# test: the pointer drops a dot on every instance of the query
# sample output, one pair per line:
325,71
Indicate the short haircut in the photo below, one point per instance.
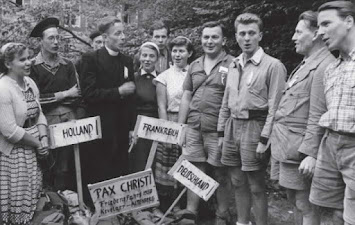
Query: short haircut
183,41
248,18
211,24
107,22
344,8
159,25
311,18
9,53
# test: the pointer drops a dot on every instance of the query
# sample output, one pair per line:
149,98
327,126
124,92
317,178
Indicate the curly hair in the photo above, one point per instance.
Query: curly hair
8,53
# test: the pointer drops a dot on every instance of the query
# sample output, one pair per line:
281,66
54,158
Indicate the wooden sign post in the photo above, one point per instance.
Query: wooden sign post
158,130
73,133
125,194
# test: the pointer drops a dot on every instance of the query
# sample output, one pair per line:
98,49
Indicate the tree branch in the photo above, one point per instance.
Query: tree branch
74,35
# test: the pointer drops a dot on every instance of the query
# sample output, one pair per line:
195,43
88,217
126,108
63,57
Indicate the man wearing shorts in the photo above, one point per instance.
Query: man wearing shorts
254,86
295,135
202,98
333,184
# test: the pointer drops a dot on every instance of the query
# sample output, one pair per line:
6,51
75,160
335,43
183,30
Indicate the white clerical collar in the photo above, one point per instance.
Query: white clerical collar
111,52
143,72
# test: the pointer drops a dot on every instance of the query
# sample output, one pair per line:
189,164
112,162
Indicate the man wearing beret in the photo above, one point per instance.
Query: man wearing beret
56,79
107,86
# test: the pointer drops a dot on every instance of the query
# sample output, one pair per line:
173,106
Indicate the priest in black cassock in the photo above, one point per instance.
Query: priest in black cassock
107,88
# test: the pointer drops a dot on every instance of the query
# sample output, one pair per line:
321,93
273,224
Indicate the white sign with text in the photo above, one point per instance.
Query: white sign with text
194,179
159,130
125,194
74,132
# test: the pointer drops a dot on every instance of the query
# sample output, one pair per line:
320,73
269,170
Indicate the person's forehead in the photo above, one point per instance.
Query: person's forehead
212,30
161,31
147,50
248,27
50,31
302,25
116,27
98,38
329,14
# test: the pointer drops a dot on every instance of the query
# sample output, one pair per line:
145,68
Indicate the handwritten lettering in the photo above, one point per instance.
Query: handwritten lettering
160,130
136,183
77,131
193,178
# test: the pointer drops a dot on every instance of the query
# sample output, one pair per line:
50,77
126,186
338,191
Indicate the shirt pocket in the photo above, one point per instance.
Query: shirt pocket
300,106
349,92
257,99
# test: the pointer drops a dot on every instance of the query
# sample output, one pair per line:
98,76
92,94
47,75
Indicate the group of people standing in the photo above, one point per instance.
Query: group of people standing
240,113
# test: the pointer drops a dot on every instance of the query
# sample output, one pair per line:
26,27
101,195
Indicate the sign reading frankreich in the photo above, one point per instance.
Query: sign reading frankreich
194,179
75,131
159,130
136,191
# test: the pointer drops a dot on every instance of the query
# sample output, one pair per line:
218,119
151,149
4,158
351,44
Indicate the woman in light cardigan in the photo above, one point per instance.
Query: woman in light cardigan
23,137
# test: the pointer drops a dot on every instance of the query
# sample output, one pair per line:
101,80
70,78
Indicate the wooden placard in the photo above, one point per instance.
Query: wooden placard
159,130
194,179
125,194
74,132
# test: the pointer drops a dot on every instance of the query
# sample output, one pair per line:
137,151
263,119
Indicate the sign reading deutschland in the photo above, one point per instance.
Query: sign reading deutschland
159,130
194,179
74,132
125,194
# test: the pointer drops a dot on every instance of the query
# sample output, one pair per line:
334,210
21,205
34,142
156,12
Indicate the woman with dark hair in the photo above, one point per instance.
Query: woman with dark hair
23,137
169,92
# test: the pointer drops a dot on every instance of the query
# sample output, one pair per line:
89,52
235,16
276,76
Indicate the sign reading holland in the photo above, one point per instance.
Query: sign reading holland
159,130
75,131
194,179
124,194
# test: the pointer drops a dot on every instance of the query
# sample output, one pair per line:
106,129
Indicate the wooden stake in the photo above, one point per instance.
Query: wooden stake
172,206
79,184
151,156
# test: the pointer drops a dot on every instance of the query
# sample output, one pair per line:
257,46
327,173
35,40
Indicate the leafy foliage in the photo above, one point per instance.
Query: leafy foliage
185,17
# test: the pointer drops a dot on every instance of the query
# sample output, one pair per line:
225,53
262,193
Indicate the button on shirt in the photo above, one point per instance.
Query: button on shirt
256,84
207,98
339,83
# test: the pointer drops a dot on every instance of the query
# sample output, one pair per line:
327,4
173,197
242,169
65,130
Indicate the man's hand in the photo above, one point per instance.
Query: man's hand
73,92
127,88
220,142
260,151
307,166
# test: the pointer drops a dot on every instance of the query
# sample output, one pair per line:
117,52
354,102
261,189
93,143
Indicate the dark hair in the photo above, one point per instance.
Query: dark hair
183,41
311,18
9,53
211,24
159,25
344,8
107,22
248,18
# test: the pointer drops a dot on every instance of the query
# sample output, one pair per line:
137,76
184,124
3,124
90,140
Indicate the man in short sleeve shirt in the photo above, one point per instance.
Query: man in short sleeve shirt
254,86
203,92
333,184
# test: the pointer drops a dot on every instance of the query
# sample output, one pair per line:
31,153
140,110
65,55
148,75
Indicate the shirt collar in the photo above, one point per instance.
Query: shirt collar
27,84
351,56
39,59
255,59
143,72
184,70
111,52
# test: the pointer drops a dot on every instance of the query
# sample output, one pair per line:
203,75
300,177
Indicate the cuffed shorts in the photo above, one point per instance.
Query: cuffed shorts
202,147
333,184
